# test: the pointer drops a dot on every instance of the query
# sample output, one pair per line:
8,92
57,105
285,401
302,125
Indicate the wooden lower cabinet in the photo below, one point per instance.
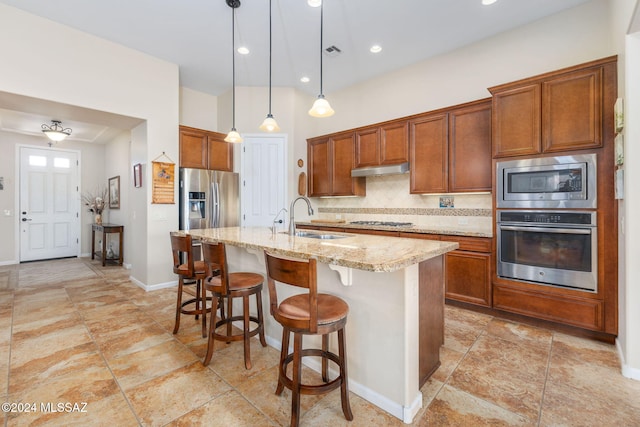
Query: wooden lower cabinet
468,270
468,277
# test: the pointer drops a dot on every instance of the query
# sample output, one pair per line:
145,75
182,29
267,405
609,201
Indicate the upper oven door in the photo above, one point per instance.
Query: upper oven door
547,182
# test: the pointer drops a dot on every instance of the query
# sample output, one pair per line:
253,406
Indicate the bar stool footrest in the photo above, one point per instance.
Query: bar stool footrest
309,388
183,310
237,337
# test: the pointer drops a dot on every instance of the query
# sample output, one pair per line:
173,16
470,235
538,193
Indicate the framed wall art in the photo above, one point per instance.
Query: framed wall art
114,192
137,175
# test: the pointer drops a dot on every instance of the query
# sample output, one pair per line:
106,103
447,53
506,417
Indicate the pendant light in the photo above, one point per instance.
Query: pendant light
233,135
55,131
269,124
321,107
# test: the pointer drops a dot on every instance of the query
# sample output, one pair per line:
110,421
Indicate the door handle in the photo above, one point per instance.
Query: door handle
26,219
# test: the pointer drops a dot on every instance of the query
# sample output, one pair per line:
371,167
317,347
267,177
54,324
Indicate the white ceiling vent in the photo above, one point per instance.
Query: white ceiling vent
332,51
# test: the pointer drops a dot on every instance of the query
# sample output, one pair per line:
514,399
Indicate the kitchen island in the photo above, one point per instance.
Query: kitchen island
395,291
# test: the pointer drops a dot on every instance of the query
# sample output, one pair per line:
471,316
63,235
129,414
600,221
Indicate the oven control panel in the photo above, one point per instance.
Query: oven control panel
546,217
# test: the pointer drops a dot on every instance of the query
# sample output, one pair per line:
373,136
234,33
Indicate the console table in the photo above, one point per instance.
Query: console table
105,229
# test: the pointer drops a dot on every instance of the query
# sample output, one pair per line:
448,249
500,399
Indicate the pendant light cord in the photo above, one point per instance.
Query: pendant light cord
270,37
233,66
321,25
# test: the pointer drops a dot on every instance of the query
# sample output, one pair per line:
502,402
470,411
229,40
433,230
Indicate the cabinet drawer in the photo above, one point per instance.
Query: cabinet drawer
474,244
581,312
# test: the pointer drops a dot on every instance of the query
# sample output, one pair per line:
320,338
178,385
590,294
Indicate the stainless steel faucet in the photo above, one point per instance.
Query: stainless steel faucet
292,223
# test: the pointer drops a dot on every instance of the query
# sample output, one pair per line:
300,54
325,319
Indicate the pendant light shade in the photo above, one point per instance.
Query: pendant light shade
269,124
233,135
321,107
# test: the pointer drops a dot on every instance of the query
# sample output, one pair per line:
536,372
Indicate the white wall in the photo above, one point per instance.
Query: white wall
198,110
630,315
100,75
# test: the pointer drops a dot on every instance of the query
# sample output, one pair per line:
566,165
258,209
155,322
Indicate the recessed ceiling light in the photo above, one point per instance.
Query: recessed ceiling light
304,79
375,48
314,3
243,50
488,2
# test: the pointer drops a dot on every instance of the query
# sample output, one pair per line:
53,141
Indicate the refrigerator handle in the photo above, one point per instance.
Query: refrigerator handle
216,205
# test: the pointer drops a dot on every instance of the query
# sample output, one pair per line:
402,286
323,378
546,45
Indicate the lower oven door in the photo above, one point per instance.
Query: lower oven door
558,256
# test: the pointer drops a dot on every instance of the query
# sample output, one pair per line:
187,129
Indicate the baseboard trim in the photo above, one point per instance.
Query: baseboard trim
149,288
626,370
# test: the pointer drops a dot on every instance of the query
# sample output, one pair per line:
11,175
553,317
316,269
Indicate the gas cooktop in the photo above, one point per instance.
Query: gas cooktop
385,223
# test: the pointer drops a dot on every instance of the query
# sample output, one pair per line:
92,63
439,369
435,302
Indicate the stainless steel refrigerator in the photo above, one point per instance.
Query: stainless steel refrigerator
208,199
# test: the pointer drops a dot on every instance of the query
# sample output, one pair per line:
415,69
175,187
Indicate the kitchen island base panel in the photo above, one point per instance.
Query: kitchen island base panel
385,313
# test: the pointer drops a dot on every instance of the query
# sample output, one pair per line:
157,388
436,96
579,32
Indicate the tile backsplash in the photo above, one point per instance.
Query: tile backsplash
388,199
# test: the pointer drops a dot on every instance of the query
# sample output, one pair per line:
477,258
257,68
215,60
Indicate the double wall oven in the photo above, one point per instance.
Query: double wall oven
547,221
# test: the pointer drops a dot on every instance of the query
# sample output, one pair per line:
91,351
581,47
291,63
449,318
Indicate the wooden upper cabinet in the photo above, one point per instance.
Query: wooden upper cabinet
367,148
470,148
394,143
450,150
555,112
193,148
516,121
319,162
571,111
343,161
386,144
220,153
428,154
203,149
330,160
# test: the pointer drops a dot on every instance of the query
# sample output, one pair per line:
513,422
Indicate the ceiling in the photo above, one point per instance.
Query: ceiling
196,35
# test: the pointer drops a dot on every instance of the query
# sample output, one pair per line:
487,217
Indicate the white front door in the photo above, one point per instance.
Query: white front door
49,204
263,180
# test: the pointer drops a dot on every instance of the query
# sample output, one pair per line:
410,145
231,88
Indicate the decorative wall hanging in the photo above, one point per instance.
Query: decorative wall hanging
114,192
162,182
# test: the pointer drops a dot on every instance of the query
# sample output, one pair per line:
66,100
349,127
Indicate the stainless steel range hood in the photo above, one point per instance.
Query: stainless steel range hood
381,170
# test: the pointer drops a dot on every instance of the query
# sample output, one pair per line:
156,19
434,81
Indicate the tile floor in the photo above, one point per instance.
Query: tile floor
74,331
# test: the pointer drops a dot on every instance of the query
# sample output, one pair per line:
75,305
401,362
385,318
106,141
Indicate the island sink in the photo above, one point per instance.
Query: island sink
318,236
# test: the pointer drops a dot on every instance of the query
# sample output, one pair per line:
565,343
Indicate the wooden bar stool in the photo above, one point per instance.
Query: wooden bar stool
194,273
232,285
309,313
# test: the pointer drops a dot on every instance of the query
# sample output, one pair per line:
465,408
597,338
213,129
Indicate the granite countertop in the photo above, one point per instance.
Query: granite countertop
361,251
424,229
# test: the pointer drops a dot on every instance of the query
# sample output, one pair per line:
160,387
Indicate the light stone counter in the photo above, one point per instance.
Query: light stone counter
395,291
468,231
361,251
